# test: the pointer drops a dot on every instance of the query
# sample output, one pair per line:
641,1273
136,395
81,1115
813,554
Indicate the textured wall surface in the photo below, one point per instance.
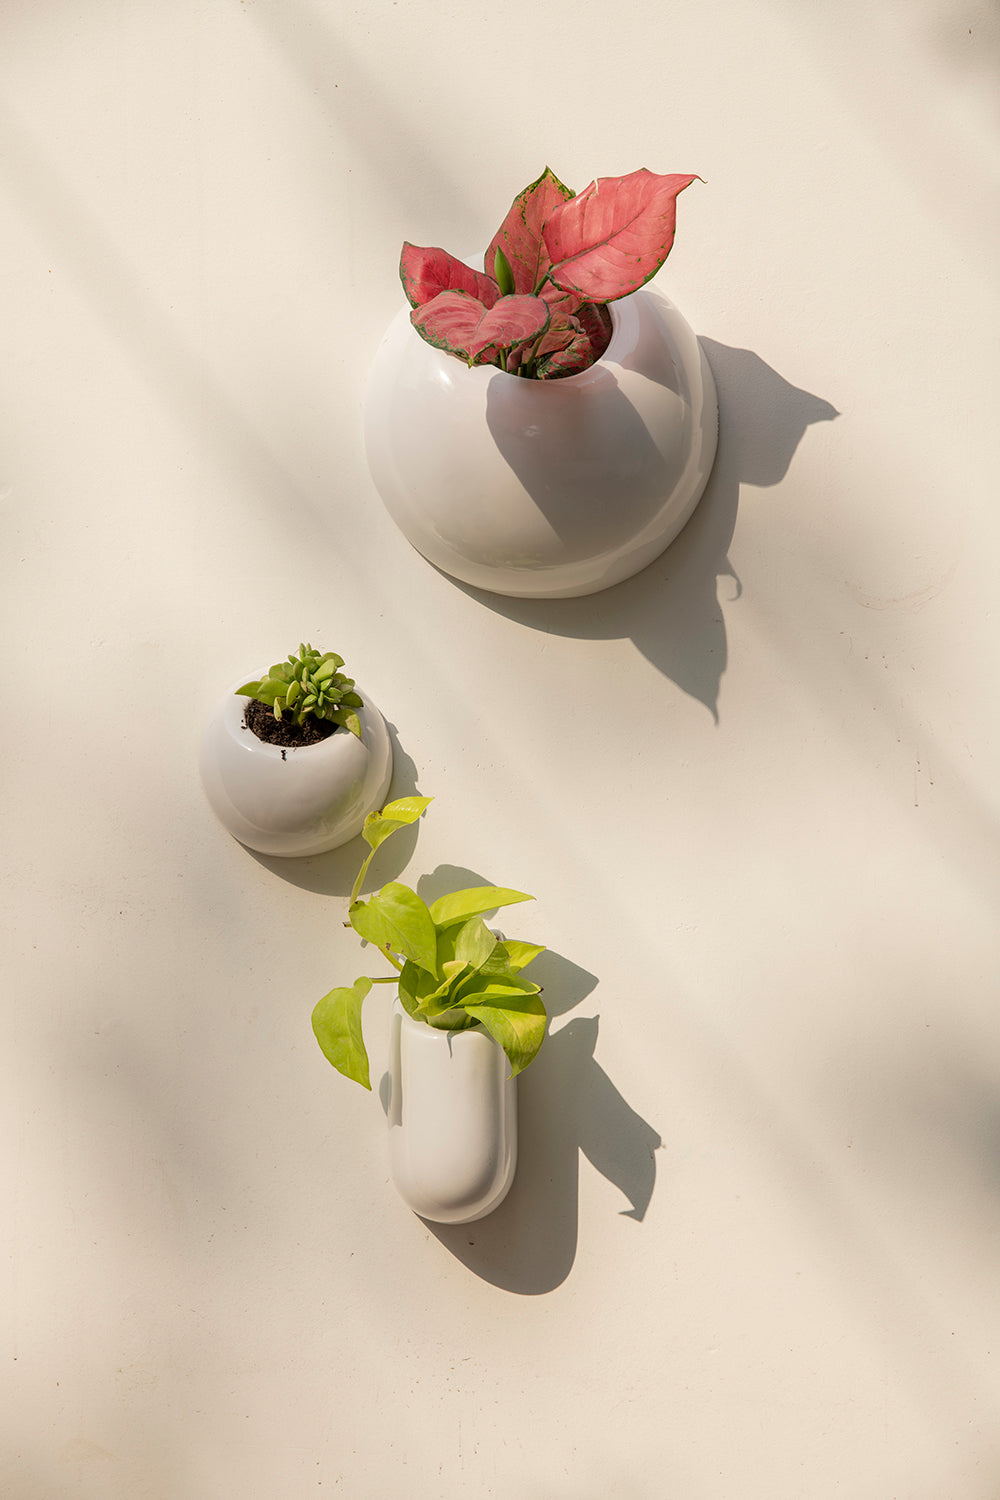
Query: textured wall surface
751,1252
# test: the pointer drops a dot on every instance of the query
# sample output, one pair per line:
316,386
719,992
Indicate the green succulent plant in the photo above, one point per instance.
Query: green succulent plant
309,683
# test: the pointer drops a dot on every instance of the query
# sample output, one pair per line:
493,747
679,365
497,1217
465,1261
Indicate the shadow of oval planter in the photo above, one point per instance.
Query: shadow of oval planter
298,801
545,489
452,1113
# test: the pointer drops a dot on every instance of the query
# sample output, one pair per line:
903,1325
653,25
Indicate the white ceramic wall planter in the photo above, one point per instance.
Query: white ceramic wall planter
452,1120
294,801
545,489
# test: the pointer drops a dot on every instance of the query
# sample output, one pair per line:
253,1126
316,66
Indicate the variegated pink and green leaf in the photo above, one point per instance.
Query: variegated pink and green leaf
575,343
595,320
610,239
576,356
561,332
460,324
520,234
425,271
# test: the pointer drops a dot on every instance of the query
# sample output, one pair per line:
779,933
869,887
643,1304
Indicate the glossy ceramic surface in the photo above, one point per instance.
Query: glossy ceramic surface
294,802
545,489
452,1120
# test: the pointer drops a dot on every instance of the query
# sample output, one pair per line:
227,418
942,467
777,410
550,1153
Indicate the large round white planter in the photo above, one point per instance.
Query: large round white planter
545,489
294,801
452,1120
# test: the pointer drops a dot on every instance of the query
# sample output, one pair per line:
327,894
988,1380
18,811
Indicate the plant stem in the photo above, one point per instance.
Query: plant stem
356,888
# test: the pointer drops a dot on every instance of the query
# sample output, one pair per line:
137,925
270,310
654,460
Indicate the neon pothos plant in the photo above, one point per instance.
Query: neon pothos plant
539,307
452,971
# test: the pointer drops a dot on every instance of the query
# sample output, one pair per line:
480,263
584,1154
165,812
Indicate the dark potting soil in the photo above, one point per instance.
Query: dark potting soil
285,732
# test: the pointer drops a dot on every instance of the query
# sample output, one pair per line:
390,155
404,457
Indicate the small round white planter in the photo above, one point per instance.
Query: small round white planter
545,489
294,801
452,1120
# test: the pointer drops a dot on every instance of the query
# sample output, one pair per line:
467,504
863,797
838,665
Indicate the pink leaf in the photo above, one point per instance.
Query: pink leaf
573,343
460,324
520,234
577,355
616,234
511,321
595,320
425,271
562,330
560,302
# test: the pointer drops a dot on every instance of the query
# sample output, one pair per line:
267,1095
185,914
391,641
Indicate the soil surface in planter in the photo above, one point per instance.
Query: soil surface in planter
285,732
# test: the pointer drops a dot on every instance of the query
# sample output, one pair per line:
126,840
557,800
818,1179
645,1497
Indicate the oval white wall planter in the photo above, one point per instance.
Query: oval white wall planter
452,1120
298,801
545,489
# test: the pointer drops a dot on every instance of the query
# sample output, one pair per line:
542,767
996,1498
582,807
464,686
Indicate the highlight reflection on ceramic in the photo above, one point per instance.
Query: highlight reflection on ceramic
545,489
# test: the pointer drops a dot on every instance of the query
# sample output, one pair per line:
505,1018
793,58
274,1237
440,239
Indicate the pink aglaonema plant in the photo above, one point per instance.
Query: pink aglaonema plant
557,260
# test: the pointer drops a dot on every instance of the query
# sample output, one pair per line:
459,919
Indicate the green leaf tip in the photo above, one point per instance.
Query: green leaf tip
503,274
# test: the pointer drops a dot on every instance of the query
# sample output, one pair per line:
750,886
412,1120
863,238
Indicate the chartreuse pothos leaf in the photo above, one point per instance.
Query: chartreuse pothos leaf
408,987
494,979
474,942
395,815
397,921
458,906
379,826
519,954
336,1021
442,996
515,1021
427,999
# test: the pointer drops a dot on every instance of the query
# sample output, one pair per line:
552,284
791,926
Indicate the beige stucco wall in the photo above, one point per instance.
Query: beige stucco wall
751,1250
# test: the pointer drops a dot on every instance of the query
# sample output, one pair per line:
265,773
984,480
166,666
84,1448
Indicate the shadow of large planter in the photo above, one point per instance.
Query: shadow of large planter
672,610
